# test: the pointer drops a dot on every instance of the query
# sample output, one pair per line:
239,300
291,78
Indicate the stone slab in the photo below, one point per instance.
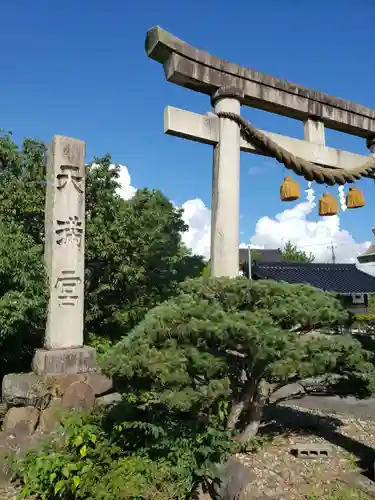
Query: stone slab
198,70
49,362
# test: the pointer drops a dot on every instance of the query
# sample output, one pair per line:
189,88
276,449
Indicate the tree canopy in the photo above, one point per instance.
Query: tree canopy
292,253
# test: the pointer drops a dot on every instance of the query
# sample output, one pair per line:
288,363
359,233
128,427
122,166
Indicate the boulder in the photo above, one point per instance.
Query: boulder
25,389
109,399
78,396
60,383
21,422
231,482
50,417
100,383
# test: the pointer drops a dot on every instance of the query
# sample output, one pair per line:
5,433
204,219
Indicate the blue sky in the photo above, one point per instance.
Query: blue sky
79,68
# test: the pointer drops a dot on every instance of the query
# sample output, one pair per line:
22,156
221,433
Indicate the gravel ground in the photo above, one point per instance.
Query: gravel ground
278,472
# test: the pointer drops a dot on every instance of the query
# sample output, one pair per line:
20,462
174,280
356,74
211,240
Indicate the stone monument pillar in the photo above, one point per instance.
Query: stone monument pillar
64,259
225,218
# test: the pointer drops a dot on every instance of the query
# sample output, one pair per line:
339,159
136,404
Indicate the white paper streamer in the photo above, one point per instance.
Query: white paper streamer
342,198
310,196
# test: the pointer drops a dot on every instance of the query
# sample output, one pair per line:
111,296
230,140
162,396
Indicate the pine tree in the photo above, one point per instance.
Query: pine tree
236,342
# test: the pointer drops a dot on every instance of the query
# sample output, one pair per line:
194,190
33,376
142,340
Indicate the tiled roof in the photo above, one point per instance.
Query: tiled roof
344,279
266,255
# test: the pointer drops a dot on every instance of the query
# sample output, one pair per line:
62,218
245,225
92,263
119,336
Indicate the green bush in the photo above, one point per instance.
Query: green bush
122,453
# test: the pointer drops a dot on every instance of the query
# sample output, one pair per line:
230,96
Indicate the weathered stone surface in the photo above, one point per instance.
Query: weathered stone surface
65,242
65,361
62,382
225,190
50,417
109,399
233,478
100,383
78,396
200,71
205,129
21,422
25,389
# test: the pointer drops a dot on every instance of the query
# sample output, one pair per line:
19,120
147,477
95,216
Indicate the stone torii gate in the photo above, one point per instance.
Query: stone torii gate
231,86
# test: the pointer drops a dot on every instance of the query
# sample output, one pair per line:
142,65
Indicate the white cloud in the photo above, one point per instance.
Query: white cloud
290,225
198,217
312,236
126,190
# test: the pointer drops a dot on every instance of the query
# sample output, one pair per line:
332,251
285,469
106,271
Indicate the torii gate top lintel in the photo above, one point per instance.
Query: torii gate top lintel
198,70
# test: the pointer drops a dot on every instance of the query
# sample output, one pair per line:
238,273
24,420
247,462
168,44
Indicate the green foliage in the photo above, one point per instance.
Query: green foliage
292,253
22,297
120,454
135,258
371,304
255,255
207,270
365,319
134,255
364,323
236,341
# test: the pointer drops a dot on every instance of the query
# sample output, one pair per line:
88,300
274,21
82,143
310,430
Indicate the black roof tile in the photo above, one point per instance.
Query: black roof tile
266,255
344,279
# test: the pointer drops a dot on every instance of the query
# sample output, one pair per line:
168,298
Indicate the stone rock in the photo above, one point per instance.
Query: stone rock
60,383
50,417
65,361
78,396
109,399
21,422
25,389
232,479
18,445
100,383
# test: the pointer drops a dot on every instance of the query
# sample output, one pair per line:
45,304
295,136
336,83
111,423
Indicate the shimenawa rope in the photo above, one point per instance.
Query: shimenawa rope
308,170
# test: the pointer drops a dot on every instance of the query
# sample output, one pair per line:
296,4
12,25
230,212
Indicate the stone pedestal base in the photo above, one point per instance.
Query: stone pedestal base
65,361
63,380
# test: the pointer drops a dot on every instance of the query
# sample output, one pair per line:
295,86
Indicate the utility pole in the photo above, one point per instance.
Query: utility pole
333,253
249,259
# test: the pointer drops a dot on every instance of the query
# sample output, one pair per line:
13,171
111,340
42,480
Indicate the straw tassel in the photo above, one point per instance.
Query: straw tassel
289,190
328,205
355,198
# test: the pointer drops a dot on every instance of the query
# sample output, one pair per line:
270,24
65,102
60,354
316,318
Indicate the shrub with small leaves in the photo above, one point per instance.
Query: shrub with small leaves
123,453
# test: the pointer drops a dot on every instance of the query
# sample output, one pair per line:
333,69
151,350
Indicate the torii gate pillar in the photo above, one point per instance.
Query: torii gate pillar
225,214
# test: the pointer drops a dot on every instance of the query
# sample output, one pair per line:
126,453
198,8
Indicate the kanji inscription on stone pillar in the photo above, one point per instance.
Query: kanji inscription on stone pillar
65,242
